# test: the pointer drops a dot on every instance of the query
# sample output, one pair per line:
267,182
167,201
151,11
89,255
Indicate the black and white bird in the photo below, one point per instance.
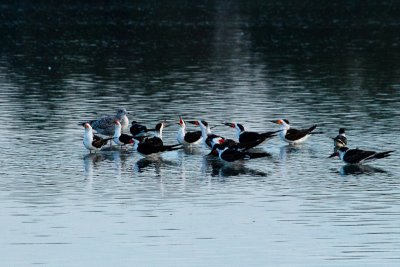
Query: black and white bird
209,138
340,140
188,138
120,138
91,141
105,125
230,154
247,138
156,140
358,156
293,136
138,129
147,148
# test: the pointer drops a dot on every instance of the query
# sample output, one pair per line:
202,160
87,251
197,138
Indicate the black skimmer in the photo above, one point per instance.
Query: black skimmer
293,136
120,138
230,143
358,156
250,139
156,140
208,138
105,125
139,130
340,140
146,148
91,141
230,154
188,138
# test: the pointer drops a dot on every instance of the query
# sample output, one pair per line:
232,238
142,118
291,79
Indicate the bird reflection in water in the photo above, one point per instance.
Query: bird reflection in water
287,150
156,163
190,150
93,161
357,169
223,169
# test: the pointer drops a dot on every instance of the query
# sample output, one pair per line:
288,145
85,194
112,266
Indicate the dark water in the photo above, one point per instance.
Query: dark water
337,65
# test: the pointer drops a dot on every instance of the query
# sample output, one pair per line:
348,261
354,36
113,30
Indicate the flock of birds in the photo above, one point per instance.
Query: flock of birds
148,141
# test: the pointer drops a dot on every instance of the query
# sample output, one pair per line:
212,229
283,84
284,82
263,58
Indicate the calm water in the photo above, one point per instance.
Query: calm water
336,65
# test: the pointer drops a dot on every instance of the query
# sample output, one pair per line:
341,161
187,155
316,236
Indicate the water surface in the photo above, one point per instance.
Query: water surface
249,63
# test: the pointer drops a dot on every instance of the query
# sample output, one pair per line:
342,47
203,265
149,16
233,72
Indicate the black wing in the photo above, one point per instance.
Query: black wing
137,129
295,134
170,147
192,137
154,141
147,148
98,142
249,140
126,139
356,155
249,137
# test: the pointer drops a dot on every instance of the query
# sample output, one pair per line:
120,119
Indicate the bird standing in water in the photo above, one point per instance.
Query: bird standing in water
93,142
293,136
105,125
188,138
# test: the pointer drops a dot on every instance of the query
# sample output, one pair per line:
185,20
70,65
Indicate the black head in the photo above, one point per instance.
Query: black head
341,131
161,124
241,127
204,123
286,121
158,126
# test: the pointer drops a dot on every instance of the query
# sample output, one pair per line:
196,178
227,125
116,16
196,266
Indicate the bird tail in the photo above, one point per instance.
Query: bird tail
105,140
270,134
172,147
249,145
312,128
255,155
382,155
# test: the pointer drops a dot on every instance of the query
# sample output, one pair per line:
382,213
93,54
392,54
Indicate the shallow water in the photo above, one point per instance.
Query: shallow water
249,63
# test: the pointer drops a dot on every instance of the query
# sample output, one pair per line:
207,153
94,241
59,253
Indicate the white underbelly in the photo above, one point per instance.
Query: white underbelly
298,141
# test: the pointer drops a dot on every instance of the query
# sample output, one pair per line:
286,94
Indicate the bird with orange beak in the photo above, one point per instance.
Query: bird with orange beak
293,136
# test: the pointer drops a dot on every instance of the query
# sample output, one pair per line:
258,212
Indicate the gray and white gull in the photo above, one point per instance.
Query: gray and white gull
106,124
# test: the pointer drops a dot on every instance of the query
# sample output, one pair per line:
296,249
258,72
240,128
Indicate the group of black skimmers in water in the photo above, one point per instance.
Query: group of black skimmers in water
148,141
